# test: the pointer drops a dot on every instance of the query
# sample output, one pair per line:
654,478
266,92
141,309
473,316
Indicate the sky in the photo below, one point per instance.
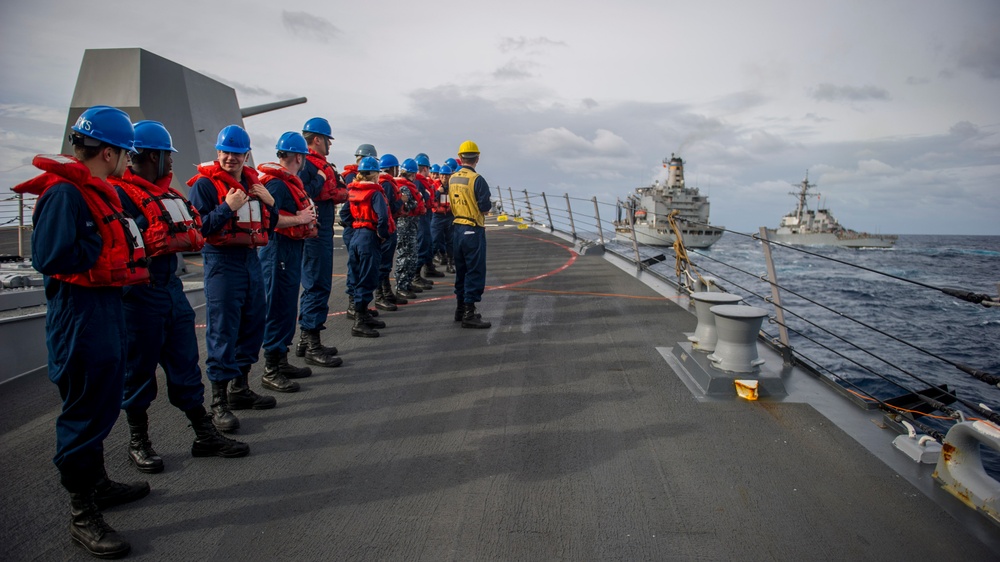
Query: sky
891,106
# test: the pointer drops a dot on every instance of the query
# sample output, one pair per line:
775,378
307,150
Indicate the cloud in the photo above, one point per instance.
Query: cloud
308,26
33,112
532,45
250,90
589,103
571,152
981,55
916,80
514,70
831,92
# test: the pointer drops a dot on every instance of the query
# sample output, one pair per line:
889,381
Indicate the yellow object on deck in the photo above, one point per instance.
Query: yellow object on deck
746,389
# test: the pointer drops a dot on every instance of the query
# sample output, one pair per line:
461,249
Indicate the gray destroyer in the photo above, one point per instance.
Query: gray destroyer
806,227
646,212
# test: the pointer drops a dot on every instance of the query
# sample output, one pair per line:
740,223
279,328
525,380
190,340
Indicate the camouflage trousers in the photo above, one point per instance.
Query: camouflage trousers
407,252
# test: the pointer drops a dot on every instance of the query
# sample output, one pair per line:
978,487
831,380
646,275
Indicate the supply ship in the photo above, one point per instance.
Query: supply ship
806,227
646,212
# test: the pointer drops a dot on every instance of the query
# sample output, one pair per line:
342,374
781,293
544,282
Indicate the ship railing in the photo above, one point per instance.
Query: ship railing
860,359
15,225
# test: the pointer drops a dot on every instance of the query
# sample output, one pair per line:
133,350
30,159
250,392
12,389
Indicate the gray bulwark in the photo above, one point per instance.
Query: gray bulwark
192,106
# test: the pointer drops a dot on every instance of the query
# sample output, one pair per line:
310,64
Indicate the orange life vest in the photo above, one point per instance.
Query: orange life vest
174,224
420,209
333,188
123,257
360,194
271,171
248,225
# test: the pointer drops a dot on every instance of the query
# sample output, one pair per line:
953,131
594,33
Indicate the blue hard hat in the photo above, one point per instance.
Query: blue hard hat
319,126
107,124
422,159
366,150
388,161
233,138
152,135
409,165
292,142
368,164
452,163
446,169
436,169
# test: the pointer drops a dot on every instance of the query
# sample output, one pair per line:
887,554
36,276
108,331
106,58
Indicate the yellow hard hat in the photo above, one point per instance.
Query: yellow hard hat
468,147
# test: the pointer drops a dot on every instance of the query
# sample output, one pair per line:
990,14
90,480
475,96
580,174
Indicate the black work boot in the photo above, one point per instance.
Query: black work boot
470,319
450,267
88,528
291,371
382,300
431,271
425,284
350,310
362,329
459,311
140,450
209,442
108,493
406,293
242,398
274,378
222,418
389,295
317,353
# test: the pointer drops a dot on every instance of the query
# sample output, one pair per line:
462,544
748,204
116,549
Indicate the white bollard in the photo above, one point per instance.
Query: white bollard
704,337
736,328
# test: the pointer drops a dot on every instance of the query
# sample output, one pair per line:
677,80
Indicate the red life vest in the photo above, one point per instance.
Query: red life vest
123,257
440,202
384,177
270,171
174,224
360,194
248,225
428,185
333,188
420,209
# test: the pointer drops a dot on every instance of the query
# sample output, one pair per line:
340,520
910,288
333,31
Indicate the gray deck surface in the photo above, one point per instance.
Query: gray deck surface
558,434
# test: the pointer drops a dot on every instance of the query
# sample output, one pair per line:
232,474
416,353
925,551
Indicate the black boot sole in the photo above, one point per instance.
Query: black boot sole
330,364
154,469
112,555
216,452
276,388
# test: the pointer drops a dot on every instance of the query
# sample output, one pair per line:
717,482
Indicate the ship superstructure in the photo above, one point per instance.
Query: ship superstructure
807,227
646,212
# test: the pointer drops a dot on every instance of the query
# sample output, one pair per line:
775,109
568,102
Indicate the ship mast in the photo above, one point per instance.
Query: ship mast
803,192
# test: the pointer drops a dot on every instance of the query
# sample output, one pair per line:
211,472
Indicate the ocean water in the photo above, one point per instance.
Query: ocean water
927,319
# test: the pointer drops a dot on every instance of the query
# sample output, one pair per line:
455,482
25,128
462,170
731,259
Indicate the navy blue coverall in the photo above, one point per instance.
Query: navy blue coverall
317,255
234,290
84,335
388,247
469,250
365,254
283,268
160,324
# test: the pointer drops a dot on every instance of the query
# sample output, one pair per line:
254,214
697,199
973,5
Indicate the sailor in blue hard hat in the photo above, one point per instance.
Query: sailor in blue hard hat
346,221
327,189
441,223
281,260
425,184
238,216
385,298
370,218
87,252
158,316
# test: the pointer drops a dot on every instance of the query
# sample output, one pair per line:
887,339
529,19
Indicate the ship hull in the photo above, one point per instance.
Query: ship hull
649,236
831,239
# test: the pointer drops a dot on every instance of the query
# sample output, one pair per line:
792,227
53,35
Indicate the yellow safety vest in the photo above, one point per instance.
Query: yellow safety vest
461,191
